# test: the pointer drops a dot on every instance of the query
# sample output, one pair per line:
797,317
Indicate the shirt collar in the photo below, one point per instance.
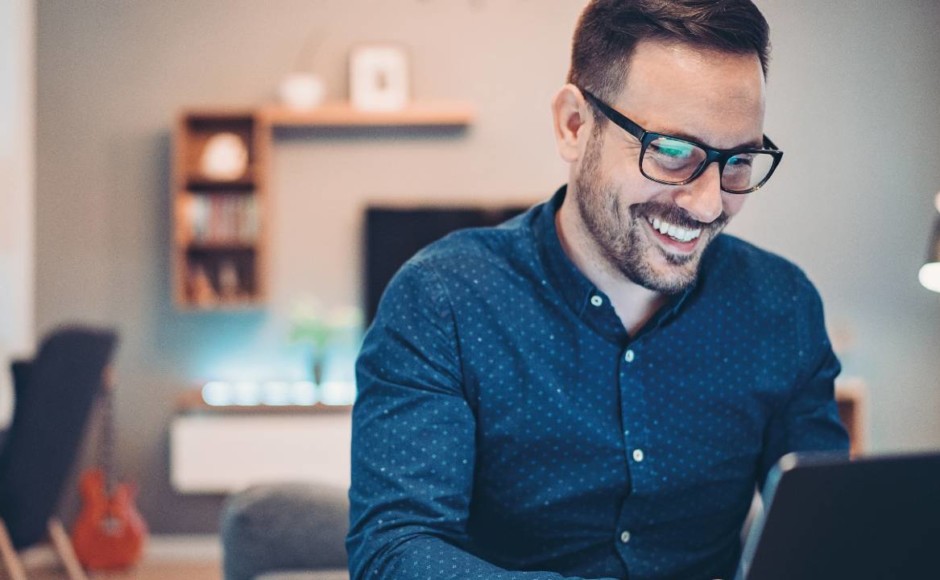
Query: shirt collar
577,290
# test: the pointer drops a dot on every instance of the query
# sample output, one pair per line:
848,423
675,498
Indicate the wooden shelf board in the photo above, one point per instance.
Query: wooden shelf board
194,246
211,114
341,114
243,306
241,185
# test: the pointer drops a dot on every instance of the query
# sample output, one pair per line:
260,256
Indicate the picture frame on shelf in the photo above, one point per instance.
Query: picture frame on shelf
379,77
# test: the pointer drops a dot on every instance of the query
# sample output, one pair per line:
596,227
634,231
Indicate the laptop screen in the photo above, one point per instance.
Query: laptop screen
829,518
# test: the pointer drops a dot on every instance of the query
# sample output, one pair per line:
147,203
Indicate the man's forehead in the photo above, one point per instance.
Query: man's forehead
694,92
680,66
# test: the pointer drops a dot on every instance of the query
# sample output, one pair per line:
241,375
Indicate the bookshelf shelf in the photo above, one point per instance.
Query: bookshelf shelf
196,185
221,246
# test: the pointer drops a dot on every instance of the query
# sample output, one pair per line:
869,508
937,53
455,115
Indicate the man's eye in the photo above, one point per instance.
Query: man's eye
742,161
674,149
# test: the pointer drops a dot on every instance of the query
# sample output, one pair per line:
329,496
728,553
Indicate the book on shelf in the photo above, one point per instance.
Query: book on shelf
222,218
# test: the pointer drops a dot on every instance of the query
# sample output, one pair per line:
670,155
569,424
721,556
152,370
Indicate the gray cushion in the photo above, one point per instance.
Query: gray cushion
285,528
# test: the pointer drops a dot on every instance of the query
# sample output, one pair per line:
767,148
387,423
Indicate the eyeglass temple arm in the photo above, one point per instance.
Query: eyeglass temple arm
615,116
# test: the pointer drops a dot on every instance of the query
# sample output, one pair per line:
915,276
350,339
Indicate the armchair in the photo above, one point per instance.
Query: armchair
54,396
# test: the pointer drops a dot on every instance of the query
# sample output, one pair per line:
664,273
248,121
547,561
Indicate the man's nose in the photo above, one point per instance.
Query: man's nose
702,198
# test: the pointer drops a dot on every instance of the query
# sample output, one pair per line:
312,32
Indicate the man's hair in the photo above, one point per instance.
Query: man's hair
609,31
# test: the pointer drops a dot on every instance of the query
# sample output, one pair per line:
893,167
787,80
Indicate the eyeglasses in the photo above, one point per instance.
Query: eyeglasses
677,161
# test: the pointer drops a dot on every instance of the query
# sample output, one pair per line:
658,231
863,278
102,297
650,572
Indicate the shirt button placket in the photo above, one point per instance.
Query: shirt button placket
638,455
629,356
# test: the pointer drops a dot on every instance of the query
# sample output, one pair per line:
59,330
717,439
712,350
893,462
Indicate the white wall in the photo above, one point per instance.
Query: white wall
17,183
854,100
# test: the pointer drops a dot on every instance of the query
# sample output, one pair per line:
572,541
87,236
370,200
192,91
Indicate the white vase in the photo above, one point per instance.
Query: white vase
301,91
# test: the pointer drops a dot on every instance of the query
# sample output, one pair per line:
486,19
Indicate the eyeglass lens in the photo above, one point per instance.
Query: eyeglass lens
671,160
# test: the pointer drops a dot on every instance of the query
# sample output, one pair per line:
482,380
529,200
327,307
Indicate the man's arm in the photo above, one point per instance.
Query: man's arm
809,421
413,445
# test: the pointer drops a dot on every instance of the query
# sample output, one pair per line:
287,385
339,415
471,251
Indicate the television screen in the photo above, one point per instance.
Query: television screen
394,234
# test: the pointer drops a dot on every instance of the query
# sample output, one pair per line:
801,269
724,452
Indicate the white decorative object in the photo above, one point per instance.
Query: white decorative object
301,91
224,157
378,78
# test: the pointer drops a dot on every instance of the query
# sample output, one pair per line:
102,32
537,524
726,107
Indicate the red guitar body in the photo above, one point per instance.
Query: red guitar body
109,533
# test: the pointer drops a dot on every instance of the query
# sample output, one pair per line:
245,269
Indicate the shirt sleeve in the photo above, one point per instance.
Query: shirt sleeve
413,444
809,420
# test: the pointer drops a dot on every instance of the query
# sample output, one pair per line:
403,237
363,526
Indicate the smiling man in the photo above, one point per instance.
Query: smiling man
639,229
593,389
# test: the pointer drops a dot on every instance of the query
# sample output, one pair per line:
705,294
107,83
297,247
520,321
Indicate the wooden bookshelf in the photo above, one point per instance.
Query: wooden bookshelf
221,226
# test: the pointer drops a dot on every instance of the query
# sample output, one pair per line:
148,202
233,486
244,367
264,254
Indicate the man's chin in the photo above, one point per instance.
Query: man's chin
665,276
671,284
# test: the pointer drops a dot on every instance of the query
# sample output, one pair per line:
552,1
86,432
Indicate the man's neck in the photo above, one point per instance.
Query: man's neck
634,304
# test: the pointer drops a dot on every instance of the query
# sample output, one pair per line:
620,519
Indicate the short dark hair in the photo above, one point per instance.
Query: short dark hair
609,30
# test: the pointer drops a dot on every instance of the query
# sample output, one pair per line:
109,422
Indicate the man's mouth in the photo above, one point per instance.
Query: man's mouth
674,232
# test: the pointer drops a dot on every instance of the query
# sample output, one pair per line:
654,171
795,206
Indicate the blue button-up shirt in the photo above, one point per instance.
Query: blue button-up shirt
507,425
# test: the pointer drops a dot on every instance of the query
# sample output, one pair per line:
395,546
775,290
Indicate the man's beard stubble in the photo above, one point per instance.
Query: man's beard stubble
623,243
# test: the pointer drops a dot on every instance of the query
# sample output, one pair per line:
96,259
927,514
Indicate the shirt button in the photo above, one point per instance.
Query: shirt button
638,455
596,300
629,356
624,537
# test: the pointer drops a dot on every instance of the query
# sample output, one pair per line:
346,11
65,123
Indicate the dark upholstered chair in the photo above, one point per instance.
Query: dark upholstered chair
290,531
54,396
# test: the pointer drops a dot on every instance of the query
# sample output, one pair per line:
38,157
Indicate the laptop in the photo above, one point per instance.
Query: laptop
829,518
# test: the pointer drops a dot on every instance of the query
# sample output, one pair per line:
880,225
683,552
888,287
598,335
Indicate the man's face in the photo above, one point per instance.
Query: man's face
710,97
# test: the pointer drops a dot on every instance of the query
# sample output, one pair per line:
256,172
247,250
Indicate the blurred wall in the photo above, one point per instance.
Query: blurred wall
17,188
854,99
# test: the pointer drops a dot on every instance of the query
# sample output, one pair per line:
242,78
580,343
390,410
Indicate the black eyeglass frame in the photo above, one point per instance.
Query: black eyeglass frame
711,154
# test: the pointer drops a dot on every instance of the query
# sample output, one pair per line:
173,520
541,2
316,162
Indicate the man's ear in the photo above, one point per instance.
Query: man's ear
570,115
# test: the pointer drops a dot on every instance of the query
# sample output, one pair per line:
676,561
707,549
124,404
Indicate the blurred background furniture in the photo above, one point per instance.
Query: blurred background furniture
290,531
225,449
205,243
54,396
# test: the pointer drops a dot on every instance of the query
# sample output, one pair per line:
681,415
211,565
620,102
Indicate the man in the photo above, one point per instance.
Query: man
593,389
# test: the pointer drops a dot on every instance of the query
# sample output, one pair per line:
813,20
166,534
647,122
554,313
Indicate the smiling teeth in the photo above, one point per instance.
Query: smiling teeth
673,231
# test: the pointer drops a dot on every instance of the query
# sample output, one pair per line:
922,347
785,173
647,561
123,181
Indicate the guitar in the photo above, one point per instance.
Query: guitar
109,533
